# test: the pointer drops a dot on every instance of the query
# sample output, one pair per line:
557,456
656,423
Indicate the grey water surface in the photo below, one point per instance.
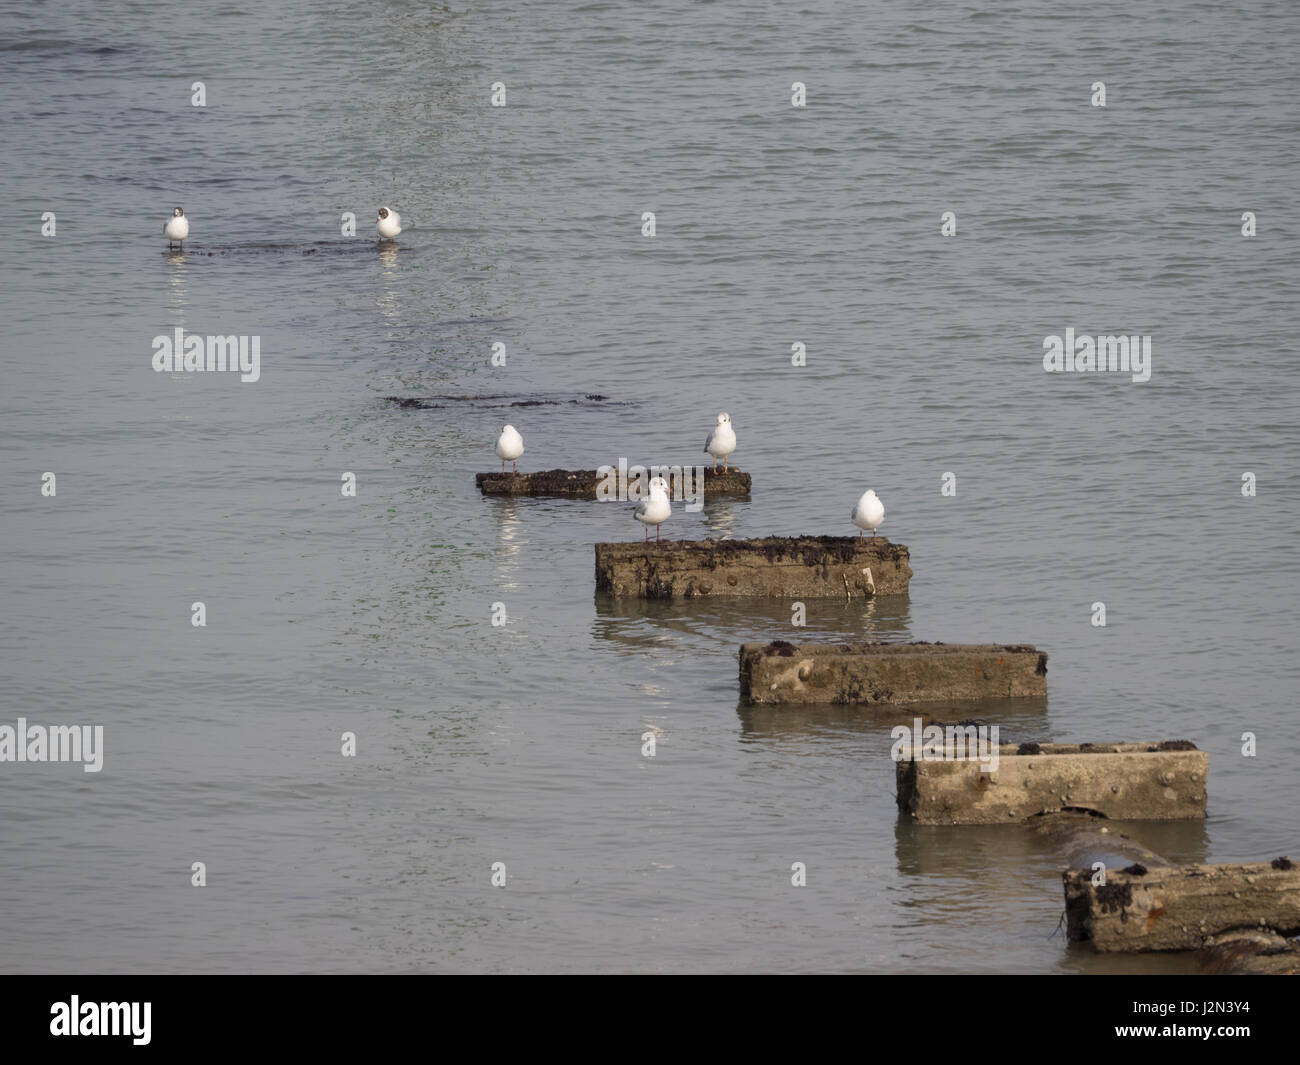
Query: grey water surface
775,225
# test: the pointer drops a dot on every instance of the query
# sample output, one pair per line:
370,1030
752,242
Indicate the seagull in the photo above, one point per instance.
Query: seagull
389,223
869,513
177,228
655,509
510,445
721,442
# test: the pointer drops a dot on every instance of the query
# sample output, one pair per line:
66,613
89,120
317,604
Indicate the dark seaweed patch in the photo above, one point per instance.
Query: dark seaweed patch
497,400
1114,898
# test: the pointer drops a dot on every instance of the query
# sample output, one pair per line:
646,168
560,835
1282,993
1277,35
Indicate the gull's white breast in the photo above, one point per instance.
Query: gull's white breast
721,441
654,511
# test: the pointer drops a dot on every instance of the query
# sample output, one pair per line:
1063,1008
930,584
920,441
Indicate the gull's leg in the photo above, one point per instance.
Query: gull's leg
503,465
515,465
656,533
647,534
859,534
724,462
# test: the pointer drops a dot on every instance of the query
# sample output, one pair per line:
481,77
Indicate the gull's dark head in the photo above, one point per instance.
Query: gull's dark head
177,213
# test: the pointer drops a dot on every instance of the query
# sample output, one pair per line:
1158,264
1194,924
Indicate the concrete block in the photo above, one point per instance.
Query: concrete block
899,673
1185,907
582,484
780,567
1121,781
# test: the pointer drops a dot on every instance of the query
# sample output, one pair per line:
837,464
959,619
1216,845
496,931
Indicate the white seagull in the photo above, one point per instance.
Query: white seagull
177,228
721,441
389,223
655,508
510,445
869,513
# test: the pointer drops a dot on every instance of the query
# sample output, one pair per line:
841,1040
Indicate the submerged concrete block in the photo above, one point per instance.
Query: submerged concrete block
582,484
1258,953
780,567
1083,838
1186,907
1122,781
899,673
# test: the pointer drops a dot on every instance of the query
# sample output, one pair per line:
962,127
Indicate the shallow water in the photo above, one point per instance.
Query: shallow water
522,744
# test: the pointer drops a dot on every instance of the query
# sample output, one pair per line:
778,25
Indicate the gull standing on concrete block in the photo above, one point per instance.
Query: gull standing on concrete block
389,223
177,228
510,445
869,513
721,441
655,509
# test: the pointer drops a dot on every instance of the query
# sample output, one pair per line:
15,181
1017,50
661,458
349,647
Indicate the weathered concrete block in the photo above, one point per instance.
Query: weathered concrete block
780,567
582,484
900,673
1258,953
1122,781
1083,838
1181,907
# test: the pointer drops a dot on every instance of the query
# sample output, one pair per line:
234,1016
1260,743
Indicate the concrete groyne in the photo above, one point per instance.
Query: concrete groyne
687,482
781,567
1122,781
897,673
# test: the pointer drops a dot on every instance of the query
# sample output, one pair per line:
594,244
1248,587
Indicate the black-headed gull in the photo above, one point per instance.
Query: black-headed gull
655,508
721,441
869,513
510,445
177,228
389,223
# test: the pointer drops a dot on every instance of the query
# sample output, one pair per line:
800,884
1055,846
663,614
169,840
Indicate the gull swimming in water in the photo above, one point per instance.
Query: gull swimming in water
389,223
177,228
869,513
655,508
510,445
721,442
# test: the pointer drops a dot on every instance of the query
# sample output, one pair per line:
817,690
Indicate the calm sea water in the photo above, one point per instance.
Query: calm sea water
522,744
